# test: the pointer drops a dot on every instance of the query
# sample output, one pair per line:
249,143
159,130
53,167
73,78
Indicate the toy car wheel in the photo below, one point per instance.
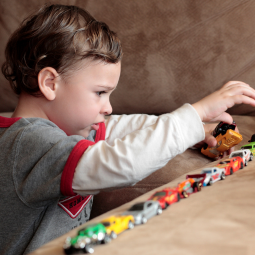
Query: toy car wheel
223,176
178,197
113,235
241,165
107,239
251,157
159,211
69,250
246,163
144,220
166,205
205,146
88,249
231,170
196,187
210,182
184,194
130,225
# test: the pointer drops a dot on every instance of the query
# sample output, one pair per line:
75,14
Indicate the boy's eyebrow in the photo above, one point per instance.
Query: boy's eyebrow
107,87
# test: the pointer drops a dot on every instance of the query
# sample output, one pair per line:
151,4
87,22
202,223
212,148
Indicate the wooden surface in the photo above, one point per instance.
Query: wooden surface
218,220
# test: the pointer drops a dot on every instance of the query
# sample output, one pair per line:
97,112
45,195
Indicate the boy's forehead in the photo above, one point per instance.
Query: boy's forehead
105,75
91,63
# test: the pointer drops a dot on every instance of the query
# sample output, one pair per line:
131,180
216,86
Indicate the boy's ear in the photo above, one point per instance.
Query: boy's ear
47,82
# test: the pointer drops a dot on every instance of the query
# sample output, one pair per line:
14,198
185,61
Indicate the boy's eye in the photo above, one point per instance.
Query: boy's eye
100,93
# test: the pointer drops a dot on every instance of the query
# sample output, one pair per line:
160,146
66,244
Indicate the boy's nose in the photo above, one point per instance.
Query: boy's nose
106,109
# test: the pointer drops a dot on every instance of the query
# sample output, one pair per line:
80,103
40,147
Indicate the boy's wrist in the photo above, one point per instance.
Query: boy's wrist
199,110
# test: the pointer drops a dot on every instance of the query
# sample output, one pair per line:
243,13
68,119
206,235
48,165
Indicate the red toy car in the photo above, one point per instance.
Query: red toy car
231,165
166,197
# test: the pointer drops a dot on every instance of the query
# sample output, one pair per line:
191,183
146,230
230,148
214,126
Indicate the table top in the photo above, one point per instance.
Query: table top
218,220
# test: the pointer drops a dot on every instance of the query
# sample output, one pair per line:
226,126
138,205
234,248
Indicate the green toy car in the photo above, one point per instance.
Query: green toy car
251,145
86,238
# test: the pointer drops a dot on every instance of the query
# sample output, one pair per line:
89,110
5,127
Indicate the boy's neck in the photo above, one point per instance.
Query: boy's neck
29,107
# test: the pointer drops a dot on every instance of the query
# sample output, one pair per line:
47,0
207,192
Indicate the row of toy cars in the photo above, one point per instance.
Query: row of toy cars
237,160
108,229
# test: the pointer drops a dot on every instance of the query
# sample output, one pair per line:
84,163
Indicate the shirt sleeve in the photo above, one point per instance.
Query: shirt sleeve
42,153
135,147
118,126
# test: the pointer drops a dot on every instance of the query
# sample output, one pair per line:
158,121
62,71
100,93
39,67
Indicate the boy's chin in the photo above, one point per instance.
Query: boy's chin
85,132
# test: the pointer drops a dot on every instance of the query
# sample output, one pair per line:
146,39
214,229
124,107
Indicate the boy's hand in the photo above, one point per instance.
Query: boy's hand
211,140
213,107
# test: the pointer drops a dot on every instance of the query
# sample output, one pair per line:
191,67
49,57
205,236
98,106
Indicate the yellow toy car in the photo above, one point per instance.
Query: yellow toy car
116,224
226,138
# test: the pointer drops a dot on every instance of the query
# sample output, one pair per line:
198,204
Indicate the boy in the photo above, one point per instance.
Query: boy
57,150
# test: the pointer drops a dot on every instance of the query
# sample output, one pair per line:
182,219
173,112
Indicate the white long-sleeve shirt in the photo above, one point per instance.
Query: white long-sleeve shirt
135,146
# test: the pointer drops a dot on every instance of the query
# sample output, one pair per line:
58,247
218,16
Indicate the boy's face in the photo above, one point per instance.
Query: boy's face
82,100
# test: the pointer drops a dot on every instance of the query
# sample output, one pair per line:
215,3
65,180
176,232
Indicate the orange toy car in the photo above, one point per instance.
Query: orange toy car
188,187
166,197
226,138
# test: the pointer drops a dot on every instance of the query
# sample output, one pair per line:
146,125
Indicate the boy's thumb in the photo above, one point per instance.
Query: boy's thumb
225,117
210,140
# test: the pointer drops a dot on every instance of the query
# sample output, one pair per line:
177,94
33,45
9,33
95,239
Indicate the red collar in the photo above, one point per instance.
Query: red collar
7,122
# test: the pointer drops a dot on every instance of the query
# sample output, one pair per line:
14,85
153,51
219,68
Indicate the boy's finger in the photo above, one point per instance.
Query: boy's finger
230,150
241,90
230,83
242,99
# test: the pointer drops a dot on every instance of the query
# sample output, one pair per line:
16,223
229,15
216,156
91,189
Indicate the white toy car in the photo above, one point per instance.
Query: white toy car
245,154
213,174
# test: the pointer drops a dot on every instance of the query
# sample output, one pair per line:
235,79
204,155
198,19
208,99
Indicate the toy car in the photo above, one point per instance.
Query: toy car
245,154
231,165
250,146
166,197
86,238
144,211
222,128
199,178
116,224
226,138
213,174
189,186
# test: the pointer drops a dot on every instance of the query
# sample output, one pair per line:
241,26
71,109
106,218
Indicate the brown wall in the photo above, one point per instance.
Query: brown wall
174,51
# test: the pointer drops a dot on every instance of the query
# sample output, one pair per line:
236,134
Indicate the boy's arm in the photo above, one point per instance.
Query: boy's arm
127,160
118,126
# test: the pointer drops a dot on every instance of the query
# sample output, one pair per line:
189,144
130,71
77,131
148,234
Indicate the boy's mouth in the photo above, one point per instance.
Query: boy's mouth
95,126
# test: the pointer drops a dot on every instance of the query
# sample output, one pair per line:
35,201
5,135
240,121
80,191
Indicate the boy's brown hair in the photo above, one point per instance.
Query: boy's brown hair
57,36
